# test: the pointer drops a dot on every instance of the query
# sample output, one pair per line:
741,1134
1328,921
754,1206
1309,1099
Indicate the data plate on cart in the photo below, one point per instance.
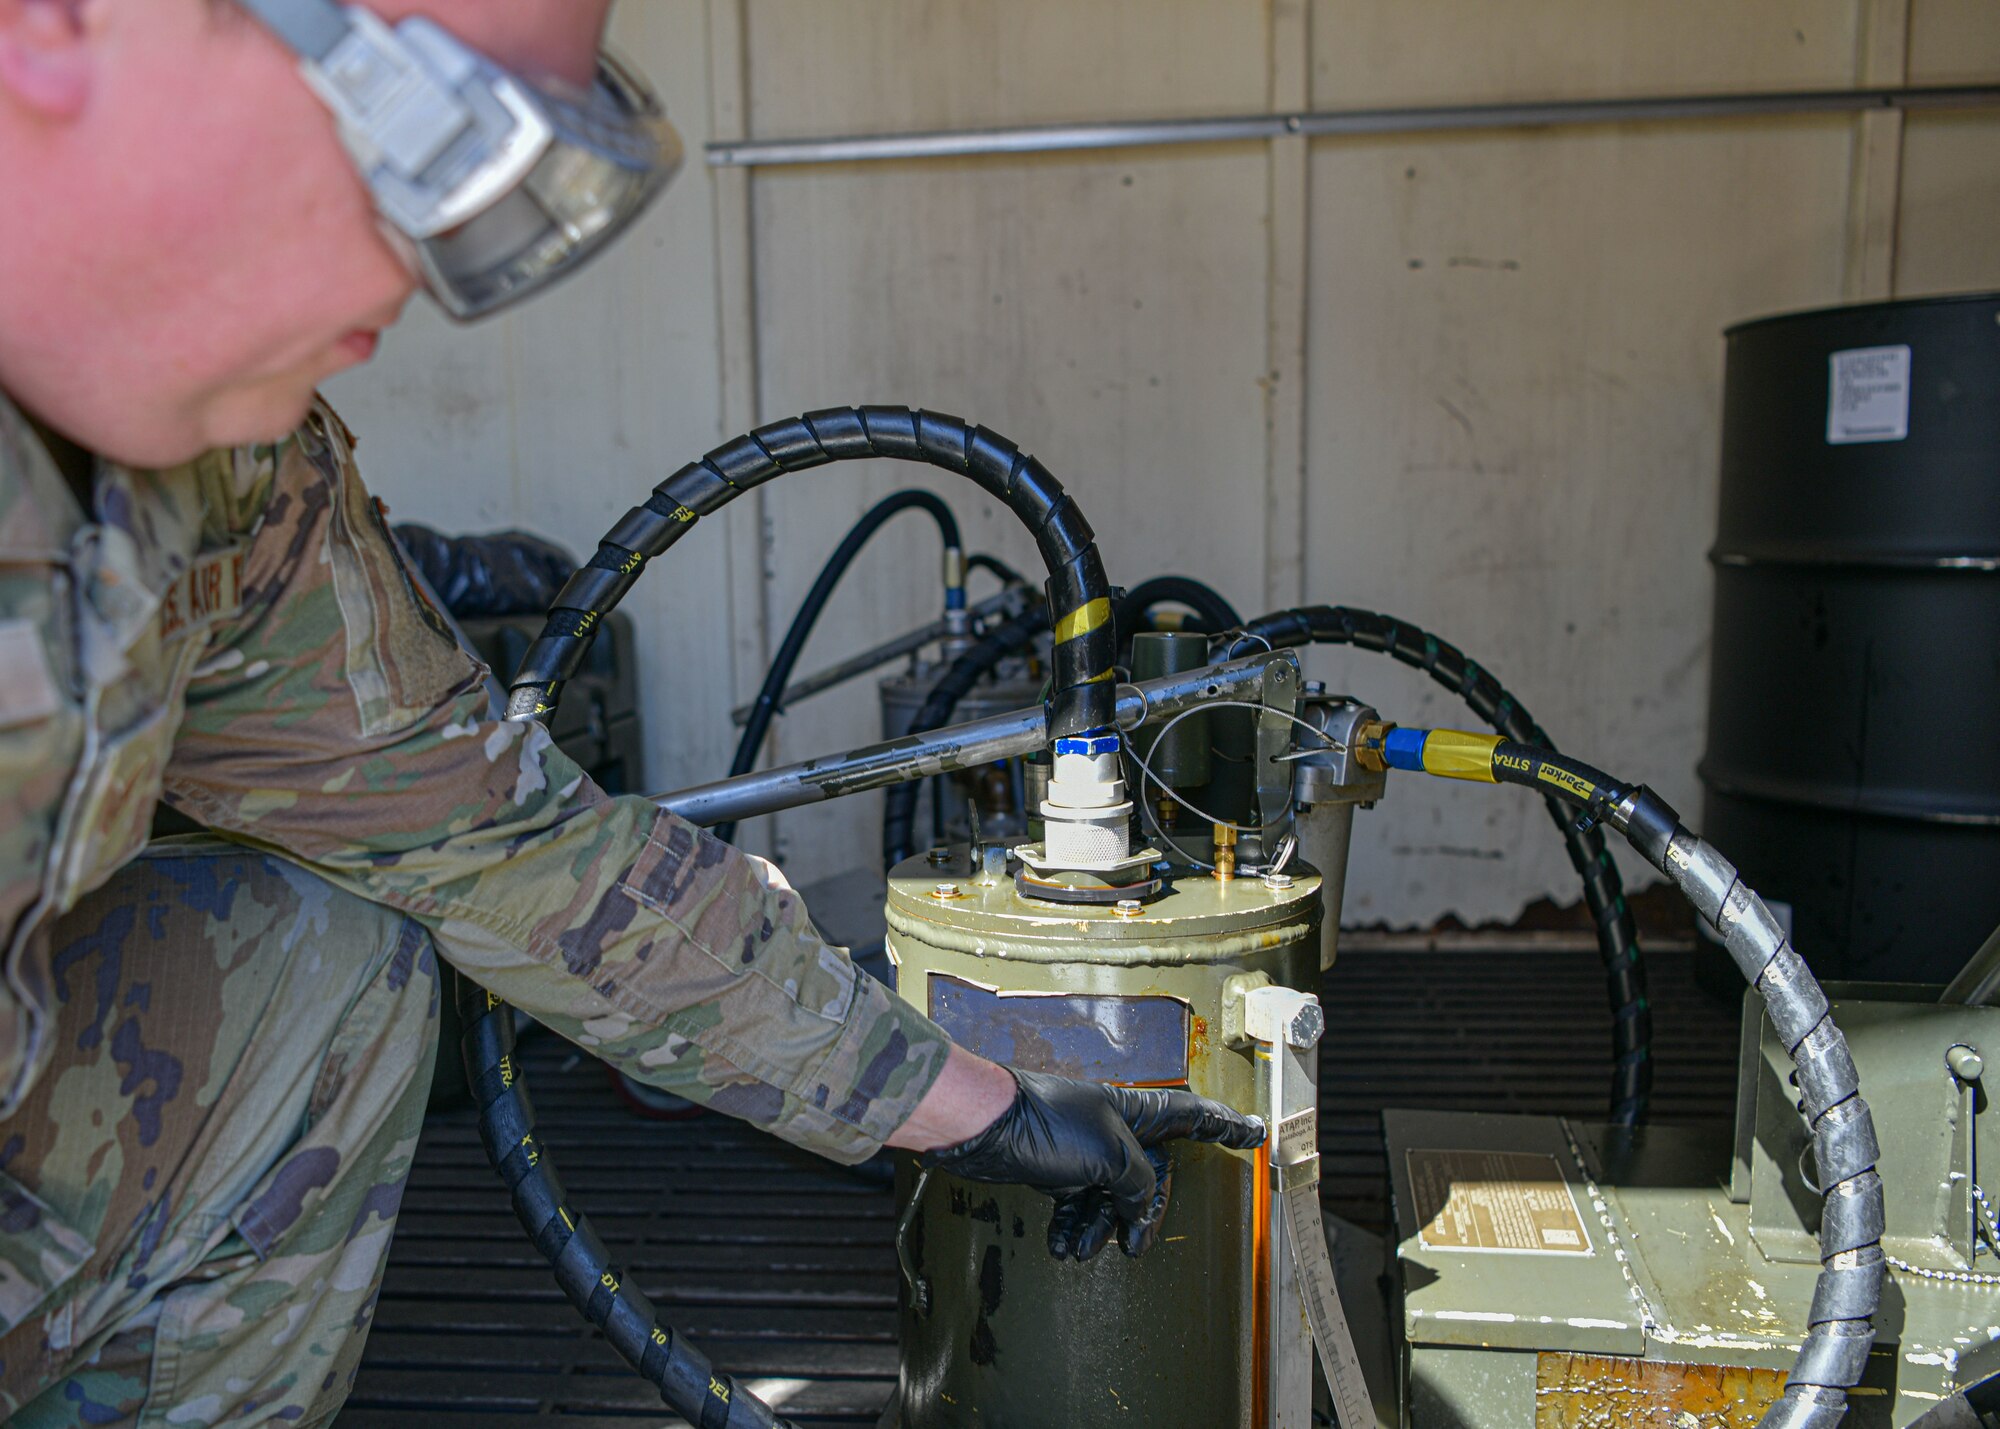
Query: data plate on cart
1511,1202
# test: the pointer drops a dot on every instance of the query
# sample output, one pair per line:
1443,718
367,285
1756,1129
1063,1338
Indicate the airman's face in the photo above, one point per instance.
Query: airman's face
205,253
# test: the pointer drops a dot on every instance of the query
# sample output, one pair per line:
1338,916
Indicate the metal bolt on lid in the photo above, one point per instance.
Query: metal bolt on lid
1277,882
1128,908
947,890
939,857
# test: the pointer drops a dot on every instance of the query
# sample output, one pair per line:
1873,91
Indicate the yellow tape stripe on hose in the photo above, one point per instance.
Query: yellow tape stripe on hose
1457,755
1084,619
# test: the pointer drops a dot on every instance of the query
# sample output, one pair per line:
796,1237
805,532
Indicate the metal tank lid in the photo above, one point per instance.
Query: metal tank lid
1864,437
1884,305
1195,912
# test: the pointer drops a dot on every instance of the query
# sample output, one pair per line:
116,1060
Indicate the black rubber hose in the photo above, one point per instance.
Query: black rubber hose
1009,637
1840,1324
996,567
1082,696
1214,612
1603,890
786,660
604,1293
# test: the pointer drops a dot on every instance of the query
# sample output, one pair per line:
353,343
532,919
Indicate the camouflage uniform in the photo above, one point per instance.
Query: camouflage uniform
219,1152
210,1069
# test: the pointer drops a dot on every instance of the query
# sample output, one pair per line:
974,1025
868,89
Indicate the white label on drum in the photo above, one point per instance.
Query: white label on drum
1868,395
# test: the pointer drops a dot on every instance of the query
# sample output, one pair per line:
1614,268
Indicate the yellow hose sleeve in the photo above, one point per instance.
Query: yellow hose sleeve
1454,754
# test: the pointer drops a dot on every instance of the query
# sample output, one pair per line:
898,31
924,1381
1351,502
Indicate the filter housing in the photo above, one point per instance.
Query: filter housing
995,1331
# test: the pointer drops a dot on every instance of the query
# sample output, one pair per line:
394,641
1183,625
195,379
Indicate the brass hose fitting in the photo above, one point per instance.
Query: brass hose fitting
1225,851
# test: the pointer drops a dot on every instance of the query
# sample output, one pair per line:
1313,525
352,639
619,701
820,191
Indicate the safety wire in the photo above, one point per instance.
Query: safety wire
1285,847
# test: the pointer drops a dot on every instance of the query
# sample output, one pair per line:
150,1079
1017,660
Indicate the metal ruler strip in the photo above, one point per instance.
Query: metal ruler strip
1298,1152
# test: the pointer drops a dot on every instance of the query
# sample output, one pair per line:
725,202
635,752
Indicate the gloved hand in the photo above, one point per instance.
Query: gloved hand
1097,1150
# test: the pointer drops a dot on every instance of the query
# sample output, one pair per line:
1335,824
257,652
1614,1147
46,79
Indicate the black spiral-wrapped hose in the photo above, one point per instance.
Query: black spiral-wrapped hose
782,664
1009,637
1603,890
1212,610
1082,697
603,1292
1083,701
1848,1292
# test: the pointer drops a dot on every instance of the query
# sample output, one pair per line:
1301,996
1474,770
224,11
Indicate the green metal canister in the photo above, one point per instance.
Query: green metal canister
1180,758
995,1331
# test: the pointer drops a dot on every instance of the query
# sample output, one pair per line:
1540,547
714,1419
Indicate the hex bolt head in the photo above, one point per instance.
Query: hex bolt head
1277,882
1307,1026
947,890
1128,908
939,857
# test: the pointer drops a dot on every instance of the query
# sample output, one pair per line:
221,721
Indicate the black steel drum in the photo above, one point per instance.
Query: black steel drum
1853,765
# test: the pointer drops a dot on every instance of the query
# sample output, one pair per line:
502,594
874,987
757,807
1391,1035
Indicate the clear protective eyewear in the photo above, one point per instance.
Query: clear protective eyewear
490,186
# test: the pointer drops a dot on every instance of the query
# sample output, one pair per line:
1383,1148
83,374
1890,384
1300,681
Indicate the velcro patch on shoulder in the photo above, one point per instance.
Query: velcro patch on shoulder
402,659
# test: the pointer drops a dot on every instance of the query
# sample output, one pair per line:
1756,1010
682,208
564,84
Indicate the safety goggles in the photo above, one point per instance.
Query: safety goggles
491,187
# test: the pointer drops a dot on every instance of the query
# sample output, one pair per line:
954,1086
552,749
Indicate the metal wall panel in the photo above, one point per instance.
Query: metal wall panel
1517,361
1106,311
1224,349
845,66
1378,52
1952,41
1948,229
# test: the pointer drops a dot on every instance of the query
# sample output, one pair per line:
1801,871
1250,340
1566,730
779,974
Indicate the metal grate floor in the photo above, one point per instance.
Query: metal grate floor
782,1265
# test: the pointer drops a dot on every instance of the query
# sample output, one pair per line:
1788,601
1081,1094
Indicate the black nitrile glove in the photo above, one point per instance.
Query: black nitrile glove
1097,1150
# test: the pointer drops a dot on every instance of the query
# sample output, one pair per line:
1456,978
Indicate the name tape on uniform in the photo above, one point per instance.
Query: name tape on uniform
211,589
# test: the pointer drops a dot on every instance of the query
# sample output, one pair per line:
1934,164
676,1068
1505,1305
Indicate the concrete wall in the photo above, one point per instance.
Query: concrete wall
1471,379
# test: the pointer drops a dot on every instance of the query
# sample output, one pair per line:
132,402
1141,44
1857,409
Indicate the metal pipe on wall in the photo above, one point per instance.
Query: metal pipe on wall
1320,124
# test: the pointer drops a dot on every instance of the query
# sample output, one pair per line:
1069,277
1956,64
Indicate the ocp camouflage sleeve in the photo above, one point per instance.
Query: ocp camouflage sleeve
337,721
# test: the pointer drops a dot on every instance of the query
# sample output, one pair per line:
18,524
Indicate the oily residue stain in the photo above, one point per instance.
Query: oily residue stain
984,1349
987,1210
1579,1391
